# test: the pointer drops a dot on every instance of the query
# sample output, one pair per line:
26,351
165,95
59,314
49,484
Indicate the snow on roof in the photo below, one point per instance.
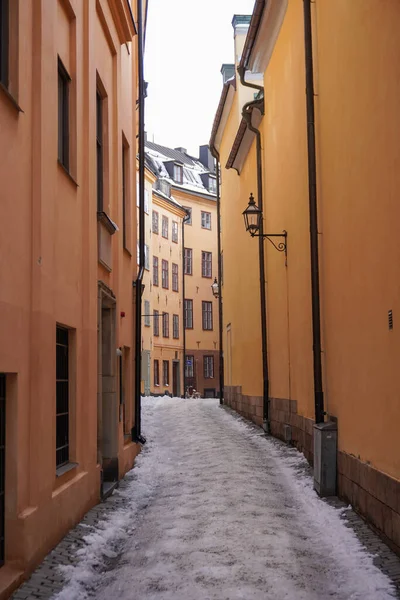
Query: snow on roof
160,156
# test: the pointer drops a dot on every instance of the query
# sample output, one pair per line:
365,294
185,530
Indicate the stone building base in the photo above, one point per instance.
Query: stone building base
374,495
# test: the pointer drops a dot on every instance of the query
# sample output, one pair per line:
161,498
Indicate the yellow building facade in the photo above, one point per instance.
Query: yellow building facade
356,178
183,263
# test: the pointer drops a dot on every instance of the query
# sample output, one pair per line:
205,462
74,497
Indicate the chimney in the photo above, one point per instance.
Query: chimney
241,22
228,71
206,158
180,149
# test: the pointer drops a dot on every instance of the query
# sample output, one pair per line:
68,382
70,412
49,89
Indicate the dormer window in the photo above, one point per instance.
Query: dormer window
178,173
212,185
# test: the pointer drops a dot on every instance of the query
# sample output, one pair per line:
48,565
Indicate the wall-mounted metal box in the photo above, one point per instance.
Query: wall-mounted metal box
325,454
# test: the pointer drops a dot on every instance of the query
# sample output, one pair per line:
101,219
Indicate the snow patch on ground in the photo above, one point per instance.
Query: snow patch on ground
217,511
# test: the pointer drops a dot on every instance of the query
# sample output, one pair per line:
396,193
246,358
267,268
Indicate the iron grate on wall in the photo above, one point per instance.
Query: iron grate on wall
390,319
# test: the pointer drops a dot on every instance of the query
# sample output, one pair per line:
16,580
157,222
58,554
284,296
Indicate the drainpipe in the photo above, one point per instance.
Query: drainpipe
220,312
136,430
183,304
246,113
312,193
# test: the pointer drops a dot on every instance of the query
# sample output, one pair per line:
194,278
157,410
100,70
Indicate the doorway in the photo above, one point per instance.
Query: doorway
108,409
175,379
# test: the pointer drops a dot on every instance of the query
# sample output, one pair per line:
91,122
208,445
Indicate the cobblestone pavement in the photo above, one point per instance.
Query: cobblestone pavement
48,579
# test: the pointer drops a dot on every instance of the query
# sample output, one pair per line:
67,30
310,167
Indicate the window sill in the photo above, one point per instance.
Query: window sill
66,468
156,385
10,98
67,173
103,218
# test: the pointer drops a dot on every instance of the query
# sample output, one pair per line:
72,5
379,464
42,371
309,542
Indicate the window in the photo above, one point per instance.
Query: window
165,372
156,329
208,367
188,261
155,221
62,396
99,151
147,313
164,274
156,372
205,220
126,207
206,264
63,115
4,41
188,218
165,227
155,270
165,325
207,316
188,314
175,278
178,173
189,366
174,235
146,257
212,185
146,201
175,327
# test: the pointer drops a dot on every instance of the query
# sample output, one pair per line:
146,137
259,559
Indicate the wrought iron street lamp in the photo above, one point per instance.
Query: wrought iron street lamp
215,288
252,221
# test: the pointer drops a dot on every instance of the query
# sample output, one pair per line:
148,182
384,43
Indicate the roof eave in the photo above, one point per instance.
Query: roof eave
230,84
265,24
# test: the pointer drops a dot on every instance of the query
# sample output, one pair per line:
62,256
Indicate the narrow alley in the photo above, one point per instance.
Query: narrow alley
214,509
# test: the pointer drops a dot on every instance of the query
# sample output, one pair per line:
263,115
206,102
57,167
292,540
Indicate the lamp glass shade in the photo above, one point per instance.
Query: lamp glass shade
215,288
252,217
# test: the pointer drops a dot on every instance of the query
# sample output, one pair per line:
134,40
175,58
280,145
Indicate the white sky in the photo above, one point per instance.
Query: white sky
186,43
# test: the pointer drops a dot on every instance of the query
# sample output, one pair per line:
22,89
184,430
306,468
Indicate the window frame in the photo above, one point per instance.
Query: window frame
164,274
208,358
175,277
60,332
178,169
99,149
188,310
156,323
206,262
189,374
175,327
207,315
4,43
166,372
155,219
165,325
64,81
174,232
164,230
156,372
206,215
156,272
188,260
147,313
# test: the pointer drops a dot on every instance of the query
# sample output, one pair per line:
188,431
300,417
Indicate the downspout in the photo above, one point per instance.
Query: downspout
136,430
263,300
183,305
312,192
220,311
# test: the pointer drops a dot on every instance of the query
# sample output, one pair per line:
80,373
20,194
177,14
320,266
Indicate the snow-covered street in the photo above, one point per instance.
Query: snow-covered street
217,511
